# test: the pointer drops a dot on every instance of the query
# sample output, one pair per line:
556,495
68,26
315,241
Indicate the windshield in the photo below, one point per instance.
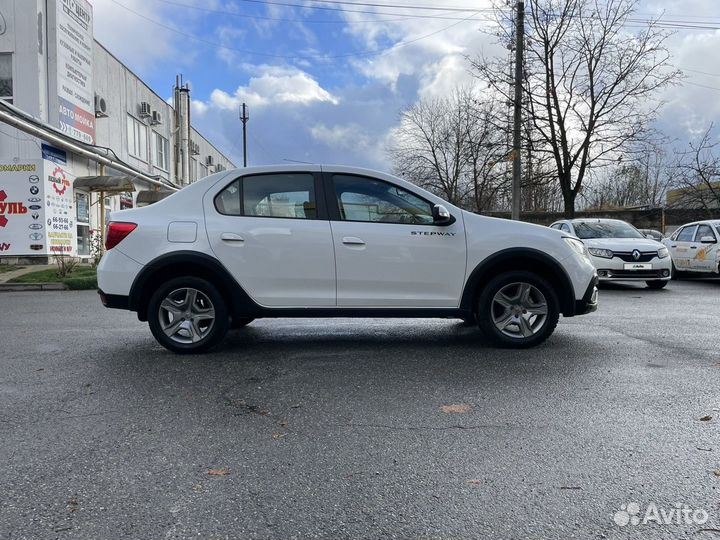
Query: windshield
606,229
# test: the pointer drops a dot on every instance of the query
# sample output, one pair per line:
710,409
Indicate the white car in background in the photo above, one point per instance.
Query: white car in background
694,247
620,252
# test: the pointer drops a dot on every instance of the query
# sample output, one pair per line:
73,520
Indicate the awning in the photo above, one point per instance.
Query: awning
105,184
149,197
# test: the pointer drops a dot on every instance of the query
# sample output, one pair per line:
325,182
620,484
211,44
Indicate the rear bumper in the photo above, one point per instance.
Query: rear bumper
589,301
114,301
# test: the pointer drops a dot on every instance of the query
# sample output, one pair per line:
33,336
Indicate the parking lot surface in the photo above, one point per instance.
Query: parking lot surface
361,428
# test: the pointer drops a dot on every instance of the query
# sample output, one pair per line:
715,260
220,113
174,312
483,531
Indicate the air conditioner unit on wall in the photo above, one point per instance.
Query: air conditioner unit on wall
145,111
100,107
209,161
156,118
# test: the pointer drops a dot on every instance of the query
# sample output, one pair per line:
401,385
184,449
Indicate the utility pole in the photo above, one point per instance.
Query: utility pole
244,117
517,108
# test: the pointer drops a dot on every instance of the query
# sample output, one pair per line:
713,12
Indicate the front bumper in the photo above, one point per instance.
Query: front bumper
589,301
615,269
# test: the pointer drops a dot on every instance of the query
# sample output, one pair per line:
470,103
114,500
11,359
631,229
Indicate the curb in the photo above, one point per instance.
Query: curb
16,287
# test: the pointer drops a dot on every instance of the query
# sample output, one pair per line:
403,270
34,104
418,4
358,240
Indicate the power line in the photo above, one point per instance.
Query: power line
378,52
365,4
404,17
702,85
701,72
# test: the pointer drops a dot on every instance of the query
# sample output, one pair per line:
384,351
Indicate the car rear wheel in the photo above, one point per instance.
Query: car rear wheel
188,315
657,284
518,310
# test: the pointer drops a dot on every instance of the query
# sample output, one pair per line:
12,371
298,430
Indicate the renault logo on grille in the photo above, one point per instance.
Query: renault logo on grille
636,254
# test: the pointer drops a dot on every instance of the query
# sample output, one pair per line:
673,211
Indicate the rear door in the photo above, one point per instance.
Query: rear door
272,233
388,252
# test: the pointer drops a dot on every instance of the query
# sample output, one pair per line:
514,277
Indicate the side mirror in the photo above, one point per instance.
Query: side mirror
707,240
441,216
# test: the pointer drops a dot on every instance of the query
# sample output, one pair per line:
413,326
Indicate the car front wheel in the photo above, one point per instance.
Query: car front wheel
518,310
188,315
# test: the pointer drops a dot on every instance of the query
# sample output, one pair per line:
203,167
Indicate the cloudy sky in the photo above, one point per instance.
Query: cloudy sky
325,81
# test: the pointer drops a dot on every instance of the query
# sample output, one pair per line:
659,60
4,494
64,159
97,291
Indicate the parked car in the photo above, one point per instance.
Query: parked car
653,234
694,247
620,252
312,241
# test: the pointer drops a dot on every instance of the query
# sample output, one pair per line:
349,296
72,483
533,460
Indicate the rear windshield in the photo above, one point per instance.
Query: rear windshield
606,229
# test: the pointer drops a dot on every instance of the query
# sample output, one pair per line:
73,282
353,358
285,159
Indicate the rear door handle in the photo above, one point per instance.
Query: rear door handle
673,245
352,241
231,237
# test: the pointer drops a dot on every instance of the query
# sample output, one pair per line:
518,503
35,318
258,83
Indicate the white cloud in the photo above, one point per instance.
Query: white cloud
272,86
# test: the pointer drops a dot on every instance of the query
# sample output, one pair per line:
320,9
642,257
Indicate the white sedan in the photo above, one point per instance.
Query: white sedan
620,252
694,247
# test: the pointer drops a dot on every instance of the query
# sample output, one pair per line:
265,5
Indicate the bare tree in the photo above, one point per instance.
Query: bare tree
643,180
451,147
589,82
696,175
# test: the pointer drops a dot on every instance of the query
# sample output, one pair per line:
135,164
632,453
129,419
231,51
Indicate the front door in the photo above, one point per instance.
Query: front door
269,232
704,255
681,247
388,252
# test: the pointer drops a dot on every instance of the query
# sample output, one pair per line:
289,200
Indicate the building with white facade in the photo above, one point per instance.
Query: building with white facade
80,132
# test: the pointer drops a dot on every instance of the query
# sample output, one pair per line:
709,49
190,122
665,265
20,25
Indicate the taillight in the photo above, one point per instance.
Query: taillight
117,231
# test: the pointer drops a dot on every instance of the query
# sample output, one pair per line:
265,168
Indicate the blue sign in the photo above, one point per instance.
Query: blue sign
54,154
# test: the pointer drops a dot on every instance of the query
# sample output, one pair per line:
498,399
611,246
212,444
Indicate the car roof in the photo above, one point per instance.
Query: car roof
596,220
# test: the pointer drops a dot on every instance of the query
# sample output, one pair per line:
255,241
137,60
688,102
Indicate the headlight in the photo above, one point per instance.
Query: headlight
577,245
663,252
599,252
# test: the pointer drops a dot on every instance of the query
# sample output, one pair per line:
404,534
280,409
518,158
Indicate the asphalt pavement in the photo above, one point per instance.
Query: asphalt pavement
362,428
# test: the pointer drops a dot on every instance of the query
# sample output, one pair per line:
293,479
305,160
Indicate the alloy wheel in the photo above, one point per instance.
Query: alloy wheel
519,310
186,315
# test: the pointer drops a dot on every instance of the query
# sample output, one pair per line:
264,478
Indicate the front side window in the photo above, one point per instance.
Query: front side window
6,77
687,234
368,199
703,230
565,227
280,195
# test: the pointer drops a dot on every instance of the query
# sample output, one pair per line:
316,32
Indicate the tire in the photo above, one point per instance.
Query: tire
240,322
188,315
496,305
674,273
657,284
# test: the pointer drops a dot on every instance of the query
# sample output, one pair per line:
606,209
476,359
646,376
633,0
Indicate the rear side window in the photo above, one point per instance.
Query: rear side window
565,227
228,200
703,230
686,235
280,195
270,195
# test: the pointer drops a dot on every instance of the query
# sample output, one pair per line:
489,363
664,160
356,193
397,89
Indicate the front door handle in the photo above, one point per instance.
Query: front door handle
231,237
352,241
673,245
